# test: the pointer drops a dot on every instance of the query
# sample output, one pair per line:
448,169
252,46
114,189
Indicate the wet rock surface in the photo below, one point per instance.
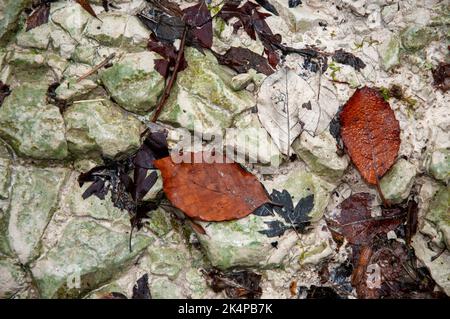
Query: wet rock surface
55,244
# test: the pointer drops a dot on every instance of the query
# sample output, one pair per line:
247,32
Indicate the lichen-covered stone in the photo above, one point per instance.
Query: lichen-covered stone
439,165
33,200
163,288
5,171
72,18
116,29
159,222
101,127
239,243
203,96
396,184
10,11
12,278
87,255
196,284
38,38
31,126
166,261
417,37
71,90
300,18
320,154
439,213
389,52
133,82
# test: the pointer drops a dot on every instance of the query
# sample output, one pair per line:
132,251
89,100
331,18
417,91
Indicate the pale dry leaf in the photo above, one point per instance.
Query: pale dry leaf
278,108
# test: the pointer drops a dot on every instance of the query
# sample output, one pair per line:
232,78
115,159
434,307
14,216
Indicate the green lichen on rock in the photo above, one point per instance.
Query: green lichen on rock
396,184
439,213
72,18
34,197
100,127
203,95
439,165
417,37
12,278
10,11
31,126
320,154
389,52
163,288
239,243
166,261
86,256
159,222
133,82
5,170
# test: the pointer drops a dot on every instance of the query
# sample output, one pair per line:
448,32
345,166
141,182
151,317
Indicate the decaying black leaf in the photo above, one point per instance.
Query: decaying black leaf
237,284
318,292
141,289
294,218
200,28
268,6
441,76
242,60
343,57
294,3
4,92
114,176
164,26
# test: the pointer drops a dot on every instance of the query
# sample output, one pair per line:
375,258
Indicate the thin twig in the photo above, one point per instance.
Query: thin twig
169,86
97,67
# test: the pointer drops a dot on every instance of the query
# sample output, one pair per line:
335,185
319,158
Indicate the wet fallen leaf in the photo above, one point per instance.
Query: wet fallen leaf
371,133
39,16
211,192
242,60
198,18
4,92
141,289
318,292
237,284
87,6
355,219
441,76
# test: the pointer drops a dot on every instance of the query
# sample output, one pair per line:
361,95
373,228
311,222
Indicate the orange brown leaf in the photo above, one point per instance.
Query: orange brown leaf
211,192
371,133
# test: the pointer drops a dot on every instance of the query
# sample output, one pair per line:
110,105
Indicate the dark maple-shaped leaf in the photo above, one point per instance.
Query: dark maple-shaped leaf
353,219
371,133
169,53
242,60
236,284
294,218
87,6
215,191
343,57
268,6
4,92
39,16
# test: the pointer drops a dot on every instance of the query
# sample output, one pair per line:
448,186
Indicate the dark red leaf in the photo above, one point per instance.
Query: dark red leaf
353,219
199,20
39,16
371,133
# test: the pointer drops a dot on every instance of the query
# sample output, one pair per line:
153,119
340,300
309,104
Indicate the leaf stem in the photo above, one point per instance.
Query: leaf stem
169,86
